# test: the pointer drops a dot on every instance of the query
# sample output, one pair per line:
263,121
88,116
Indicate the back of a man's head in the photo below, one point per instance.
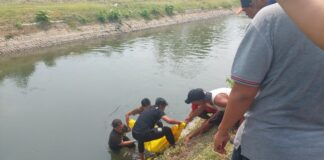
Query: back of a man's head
145,102
161,102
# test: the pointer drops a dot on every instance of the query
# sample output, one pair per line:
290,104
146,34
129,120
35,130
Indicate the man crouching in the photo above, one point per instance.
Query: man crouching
144,130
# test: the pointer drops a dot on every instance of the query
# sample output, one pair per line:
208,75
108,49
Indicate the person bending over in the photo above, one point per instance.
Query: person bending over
144,130
204,103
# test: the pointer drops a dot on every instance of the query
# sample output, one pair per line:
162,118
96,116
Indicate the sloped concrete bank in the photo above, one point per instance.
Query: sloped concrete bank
61,34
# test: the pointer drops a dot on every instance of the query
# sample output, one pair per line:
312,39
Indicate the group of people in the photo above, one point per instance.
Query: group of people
148,126
278,89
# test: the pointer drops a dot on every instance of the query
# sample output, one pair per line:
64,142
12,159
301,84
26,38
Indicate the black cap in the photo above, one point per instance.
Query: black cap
116,122
161,101
195,95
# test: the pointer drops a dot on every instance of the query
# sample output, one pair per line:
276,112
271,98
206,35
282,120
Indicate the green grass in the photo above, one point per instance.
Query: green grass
25,11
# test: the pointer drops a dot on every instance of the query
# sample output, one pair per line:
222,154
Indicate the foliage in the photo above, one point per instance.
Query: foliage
41,17
156,12
169,10
101,16
92,11
226,5
18,25
114,16
145,14
83,20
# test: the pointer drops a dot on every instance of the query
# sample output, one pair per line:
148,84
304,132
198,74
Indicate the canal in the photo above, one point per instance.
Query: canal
58,103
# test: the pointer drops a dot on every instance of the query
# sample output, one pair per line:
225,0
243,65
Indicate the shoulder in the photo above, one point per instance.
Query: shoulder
268,13
151,111
267,18
113,134
114,138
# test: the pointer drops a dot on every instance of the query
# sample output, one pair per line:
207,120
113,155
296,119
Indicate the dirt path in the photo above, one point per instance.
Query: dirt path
62,34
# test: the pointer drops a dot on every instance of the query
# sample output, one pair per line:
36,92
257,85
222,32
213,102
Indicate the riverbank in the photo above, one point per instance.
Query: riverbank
199,148
58,32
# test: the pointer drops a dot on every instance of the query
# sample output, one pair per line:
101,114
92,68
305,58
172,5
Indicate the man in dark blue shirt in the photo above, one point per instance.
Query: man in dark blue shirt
144,130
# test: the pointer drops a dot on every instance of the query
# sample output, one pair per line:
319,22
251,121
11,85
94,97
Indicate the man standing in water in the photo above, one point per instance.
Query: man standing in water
117,138
278,74
144,130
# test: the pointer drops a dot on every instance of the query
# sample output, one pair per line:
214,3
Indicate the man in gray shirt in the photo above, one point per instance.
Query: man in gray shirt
279,85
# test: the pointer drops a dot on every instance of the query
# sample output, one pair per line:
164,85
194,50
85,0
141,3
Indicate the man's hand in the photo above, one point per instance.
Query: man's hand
127,143
188,119
179,123
220,140
127,119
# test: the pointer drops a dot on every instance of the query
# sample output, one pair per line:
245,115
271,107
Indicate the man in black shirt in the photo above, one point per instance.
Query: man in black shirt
117,139
144,130
145,104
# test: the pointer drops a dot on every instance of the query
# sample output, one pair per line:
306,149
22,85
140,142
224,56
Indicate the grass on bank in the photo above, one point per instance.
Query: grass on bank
93,11
199,148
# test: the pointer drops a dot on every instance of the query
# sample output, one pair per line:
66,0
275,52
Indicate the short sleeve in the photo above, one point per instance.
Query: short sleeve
161,114
253,58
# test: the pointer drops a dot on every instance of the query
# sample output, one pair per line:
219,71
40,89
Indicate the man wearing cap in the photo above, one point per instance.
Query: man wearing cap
144,130
204,103
252,7
117,138
145,104
279,80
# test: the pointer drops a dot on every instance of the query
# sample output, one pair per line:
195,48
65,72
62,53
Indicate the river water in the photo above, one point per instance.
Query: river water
58,103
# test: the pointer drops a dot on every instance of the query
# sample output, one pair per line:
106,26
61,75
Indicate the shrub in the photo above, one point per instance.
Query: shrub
101,16
83,20
145,14
42,17
113,16
169,10
18,25
156,12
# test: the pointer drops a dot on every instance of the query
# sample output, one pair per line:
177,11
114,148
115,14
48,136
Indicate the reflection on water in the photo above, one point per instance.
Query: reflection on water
177,43
58,103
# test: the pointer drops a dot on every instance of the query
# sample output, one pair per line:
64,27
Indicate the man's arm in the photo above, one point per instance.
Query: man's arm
239,102
195,113
133,112
170,120
126,143
310,19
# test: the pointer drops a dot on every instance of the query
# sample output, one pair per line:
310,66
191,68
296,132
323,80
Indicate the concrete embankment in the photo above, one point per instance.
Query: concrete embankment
60,34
